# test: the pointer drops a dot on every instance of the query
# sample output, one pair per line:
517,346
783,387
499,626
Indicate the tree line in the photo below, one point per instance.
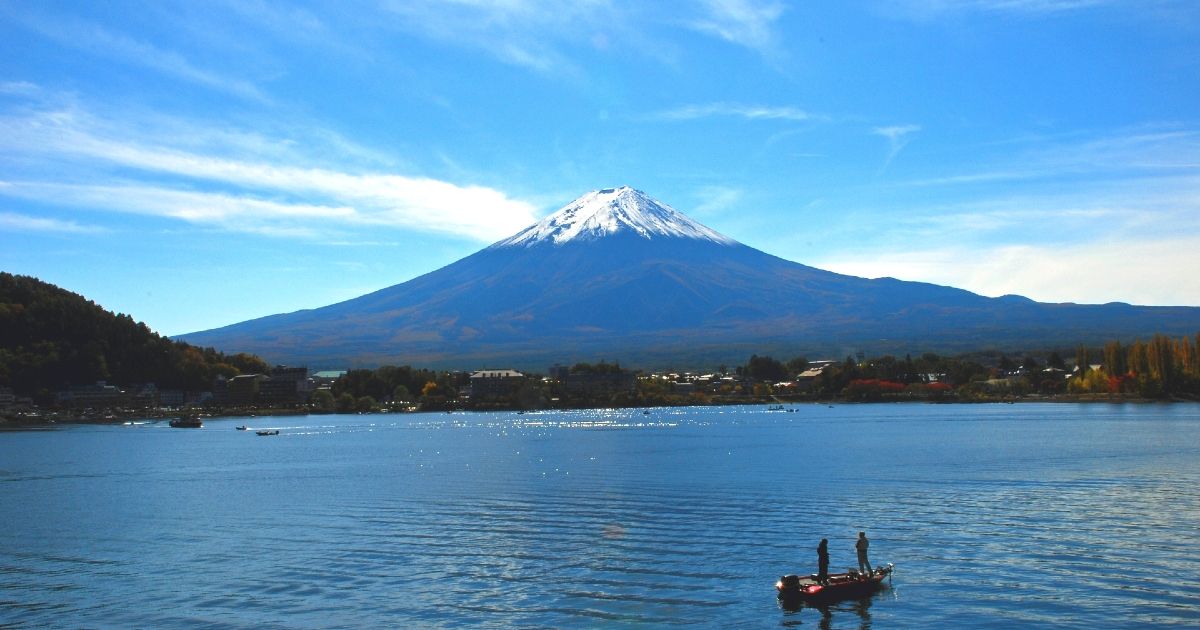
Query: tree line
51,339
1160,367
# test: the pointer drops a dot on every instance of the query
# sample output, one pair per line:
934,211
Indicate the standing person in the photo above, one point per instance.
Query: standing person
823,561
864,565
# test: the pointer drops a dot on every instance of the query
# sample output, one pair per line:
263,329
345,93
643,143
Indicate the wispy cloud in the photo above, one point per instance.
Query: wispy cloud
13,222
1089,218
1123,153
714,200
550,36
928,9
898,136
533,34
278,193
750,112
19,88
102,42
748,23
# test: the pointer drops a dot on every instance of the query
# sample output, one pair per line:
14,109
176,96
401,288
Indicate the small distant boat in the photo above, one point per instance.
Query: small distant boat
267,432
186,423
839,586
775,408
242,428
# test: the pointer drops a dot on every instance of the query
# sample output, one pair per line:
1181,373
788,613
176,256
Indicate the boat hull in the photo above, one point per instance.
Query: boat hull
839,586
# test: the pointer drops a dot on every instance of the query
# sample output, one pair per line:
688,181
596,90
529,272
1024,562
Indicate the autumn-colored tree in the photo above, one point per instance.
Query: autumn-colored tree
1082,359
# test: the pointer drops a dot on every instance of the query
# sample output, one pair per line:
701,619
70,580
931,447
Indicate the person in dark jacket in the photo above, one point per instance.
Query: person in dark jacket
823,561
864,565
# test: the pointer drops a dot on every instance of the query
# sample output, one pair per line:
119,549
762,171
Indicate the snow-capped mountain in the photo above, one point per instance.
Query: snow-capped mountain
616,275
610,211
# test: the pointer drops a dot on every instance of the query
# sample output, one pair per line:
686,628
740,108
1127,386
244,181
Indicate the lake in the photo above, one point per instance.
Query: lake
1050,515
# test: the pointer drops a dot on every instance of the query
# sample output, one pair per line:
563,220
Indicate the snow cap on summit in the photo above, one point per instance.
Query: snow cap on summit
609,211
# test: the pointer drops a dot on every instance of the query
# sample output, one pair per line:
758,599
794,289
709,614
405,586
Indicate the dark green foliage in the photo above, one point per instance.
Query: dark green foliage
1055,361
765,369
596,368
51,339
795,366
385,383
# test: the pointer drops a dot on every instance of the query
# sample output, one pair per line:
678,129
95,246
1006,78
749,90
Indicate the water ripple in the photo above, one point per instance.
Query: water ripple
997,516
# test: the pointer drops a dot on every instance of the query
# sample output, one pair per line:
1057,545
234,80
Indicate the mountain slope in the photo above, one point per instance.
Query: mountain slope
618,275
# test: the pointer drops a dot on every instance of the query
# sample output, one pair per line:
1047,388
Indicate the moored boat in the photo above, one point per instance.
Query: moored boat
190,422
839,585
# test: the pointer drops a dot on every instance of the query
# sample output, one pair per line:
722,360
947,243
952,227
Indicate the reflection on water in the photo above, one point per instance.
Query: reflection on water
793,606
995,516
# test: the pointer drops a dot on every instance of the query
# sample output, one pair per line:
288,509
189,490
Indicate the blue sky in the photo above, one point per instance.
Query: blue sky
196,164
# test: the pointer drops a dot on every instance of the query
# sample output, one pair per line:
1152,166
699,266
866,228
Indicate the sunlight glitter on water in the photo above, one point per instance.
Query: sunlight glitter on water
1045,515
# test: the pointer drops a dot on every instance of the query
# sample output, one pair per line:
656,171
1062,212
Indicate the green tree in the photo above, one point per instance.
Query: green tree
1116,361
1055,361
322,400
797,365
765,369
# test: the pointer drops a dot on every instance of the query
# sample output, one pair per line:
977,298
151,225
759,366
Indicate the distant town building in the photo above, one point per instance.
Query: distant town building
325,378
146,395
285,386
804,380
601,379
242,390
98,395
171,397
488,383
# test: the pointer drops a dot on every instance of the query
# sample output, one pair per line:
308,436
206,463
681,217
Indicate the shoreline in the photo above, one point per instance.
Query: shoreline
49,421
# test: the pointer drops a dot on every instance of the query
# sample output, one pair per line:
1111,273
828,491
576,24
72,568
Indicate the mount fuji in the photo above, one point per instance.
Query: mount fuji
617,275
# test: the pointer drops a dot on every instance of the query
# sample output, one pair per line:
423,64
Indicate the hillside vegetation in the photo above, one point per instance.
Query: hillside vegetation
51,339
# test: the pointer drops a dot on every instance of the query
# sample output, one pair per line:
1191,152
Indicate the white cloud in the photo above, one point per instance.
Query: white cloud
267,194
715,200
897,136
748,23
548,35
13,222
1149,271
751,112
1094,219
20,88
533,34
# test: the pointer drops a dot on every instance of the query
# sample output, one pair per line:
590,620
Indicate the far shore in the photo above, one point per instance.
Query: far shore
50,419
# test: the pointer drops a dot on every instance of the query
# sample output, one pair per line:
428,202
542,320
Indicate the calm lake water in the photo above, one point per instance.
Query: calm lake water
995,516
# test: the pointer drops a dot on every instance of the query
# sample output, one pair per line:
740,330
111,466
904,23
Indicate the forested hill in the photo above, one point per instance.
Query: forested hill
51,338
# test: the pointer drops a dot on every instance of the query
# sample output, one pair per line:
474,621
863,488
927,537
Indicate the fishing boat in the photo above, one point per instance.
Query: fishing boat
839,586
267,432
189,422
